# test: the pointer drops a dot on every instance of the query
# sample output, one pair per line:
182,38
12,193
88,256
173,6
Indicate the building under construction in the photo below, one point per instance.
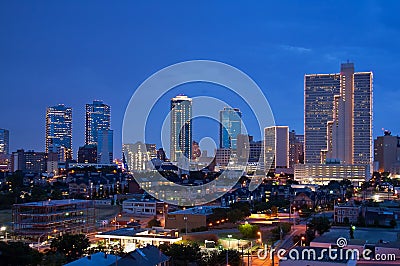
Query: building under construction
38,220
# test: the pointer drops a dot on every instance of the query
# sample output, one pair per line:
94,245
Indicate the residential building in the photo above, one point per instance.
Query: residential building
387,152
230,127
223,156
105,146
181,128
4,141
276,147
29,161
98,118
59,131
39,220
338,116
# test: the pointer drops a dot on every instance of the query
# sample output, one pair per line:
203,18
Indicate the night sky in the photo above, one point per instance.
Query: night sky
73,52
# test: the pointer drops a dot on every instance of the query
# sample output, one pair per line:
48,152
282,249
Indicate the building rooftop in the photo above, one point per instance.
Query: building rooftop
52,203
147,256
202,210
97,259
375,236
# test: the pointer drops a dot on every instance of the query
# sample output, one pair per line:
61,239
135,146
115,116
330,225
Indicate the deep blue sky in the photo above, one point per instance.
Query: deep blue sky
75,51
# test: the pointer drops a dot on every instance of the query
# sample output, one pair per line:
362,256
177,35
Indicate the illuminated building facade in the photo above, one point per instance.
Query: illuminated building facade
321,174
230,127
276,147
4,141
139,155
59,131
181,128
338,116
98,118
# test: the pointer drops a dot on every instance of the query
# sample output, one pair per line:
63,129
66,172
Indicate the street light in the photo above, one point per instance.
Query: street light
185,219
301,240
259,233
229,241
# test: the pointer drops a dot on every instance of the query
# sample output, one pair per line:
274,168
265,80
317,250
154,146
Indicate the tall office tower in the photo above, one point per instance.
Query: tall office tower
139,155
296,148
59,131
4,141
181,128
98,117
105,146
338,116
276,147
230,127
387,153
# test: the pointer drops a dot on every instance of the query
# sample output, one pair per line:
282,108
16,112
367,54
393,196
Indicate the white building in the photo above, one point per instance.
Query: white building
141,207
276,147
321,174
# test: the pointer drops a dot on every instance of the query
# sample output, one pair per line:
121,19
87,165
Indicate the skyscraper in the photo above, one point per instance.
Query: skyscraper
59,131
296,148
4,141
105,146
98,118
181,128
230,127
338,116
276,147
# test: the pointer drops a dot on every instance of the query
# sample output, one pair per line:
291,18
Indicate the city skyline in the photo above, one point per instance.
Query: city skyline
276,53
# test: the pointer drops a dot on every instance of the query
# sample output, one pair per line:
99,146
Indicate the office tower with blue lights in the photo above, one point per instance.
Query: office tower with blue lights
4,141
181,128
59,131
230,127
98,118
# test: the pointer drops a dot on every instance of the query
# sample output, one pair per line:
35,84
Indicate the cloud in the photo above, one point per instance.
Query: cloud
296,49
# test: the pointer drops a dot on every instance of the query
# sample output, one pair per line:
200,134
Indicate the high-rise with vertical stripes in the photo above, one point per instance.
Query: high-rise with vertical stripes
338,116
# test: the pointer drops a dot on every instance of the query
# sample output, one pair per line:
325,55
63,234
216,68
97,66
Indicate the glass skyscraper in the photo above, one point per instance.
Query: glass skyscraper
98,117
105,146
59,131
230,127
181,128
4,141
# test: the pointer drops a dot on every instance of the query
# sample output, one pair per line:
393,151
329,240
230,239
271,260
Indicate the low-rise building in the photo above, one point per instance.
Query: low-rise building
37,220
146,256
132,238
347,213
190,218
142,207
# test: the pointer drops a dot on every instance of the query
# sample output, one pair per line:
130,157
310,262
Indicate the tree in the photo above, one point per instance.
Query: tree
18,253
320,225
248,230
346,220
153,222
182,254
71,246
